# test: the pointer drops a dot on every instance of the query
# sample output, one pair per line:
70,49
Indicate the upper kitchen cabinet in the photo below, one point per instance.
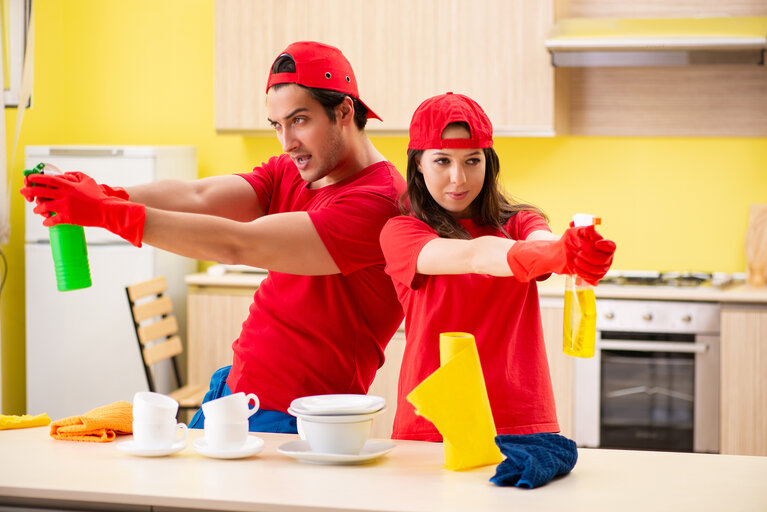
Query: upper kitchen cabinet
693,99
402,52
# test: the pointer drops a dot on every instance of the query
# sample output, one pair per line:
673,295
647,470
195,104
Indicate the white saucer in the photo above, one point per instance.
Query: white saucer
252,446
300,450
337,404
133,448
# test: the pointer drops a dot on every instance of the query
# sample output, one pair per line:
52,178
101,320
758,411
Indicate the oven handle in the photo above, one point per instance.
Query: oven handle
654,346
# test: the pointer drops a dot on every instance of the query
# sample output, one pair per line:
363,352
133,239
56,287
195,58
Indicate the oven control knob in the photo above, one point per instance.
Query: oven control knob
610,315
687,319
647,317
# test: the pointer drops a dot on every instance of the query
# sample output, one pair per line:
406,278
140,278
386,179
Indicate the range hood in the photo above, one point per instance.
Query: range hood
598,42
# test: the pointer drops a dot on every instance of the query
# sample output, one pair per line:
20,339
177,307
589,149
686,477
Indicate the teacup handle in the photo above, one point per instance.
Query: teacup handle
256,404
183,428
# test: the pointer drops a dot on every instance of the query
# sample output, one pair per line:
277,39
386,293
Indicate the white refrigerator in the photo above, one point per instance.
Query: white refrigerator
81,347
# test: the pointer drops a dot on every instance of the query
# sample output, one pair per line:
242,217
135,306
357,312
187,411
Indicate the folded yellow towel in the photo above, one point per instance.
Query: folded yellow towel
23,421
454,398
101,425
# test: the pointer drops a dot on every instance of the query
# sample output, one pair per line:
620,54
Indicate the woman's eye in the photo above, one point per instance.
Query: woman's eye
299,120
473,161
441,161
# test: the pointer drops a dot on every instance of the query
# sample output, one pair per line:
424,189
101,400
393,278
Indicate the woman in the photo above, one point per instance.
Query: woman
465,260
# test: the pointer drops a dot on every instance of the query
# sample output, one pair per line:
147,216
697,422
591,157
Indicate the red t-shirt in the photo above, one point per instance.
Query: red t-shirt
502,313
310,335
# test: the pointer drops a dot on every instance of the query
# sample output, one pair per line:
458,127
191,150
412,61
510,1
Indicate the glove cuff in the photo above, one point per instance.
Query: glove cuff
530,259
126,219
117,192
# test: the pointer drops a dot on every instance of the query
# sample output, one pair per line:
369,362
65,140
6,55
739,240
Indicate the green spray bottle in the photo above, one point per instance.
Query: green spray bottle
70,254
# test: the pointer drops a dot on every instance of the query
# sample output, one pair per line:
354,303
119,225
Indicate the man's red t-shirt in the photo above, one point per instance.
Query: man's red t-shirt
310,335
502,313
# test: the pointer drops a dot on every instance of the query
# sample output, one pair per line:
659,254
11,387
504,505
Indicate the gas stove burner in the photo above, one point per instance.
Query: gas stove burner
653,278
685,278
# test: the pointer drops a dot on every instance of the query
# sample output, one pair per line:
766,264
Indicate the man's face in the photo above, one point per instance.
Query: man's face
307,135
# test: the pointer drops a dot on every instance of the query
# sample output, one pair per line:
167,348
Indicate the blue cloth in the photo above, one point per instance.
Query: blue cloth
261,421
533,460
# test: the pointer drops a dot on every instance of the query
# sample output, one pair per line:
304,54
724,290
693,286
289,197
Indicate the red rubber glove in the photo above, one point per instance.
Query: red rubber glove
119,192
76,198
592,254
528,259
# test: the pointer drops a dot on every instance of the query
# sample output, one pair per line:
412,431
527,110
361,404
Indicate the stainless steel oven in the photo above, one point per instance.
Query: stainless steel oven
653,383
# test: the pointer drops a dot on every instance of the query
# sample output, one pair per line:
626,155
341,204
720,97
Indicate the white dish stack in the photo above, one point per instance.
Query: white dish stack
336,424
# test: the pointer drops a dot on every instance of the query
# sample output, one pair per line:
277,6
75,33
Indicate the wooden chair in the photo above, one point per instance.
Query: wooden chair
157,334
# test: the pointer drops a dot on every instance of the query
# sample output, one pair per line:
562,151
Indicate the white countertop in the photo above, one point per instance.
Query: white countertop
551,288
410,478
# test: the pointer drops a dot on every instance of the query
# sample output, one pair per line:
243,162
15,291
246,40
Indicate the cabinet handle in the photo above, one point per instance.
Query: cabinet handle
687,319
647,317
610,315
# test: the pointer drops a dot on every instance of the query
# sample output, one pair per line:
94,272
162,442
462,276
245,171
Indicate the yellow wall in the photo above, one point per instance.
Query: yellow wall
140,72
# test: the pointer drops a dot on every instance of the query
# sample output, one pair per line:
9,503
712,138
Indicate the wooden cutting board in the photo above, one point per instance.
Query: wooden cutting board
756,245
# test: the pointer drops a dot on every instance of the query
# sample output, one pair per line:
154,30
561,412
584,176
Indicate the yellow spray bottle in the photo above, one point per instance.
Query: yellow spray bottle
580,320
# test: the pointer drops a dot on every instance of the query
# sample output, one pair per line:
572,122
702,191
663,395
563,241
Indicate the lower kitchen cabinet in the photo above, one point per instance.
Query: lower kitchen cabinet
743,423
560,365
214,319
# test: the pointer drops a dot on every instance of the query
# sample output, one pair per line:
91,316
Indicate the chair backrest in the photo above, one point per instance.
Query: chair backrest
155,324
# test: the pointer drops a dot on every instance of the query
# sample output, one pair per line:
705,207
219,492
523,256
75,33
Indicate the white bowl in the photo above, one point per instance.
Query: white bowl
340,438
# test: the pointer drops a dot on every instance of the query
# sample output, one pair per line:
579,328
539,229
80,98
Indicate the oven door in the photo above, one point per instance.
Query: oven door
649,391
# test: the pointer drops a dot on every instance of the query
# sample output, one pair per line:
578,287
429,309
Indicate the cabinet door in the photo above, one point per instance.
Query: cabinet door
402,52
385,385
560,365
214,321
743,420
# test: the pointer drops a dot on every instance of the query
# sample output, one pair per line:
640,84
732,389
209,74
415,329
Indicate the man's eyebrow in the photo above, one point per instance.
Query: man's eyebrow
296,111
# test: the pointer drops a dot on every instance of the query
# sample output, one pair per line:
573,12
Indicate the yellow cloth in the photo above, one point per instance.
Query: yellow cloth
23,421
101,425
454,398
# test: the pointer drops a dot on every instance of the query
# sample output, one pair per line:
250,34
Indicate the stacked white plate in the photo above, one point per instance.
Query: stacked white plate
352,416
337,405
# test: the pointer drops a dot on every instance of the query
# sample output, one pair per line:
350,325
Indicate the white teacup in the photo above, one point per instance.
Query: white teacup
158,435
333,435
226,436
231,408
153,407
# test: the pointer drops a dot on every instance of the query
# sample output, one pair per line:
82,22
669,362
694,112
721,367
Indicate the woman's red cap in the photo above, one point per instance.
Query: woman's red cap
433,115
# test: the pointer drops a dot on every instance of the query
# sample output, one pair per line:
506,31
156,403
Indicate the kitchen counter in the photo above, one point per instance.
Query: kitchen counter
551,288
738,293
38,469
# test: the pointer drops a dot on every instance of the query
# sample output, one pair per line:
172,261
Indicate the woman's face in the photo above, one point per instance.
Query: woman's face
454,177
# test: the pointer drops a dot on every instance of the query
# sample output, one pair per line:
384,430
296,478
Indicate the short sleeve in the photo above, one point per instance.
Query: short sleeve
263,180
402,239
525,222
349,227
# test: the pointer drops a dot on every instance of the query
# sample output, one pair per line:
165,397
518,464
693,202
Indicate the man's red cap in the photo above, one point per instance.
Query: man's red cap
433,115
319,66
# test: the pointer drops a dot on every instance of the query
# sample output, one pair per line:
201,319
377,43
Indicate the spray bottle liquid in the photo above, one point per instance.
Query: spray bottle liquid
70,254
580,320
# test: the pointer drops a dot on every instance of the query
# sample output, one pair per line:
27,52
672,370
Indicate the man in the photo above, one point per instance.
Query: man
321,320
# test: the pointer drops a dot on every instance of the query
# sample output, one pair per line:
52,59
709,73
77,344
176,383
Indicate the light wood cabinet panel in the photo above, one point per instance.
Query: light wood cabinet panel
560,365
402,52
723,100
385,385
744,380
214,322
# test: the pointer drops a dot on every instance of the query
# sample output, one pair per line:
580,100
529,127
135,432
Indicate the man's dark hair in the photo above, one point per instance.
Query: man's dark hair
327,98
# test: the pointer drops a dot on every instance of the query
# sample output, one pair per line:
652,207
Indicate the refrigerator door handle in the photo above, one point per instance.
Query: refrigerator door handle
86,152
